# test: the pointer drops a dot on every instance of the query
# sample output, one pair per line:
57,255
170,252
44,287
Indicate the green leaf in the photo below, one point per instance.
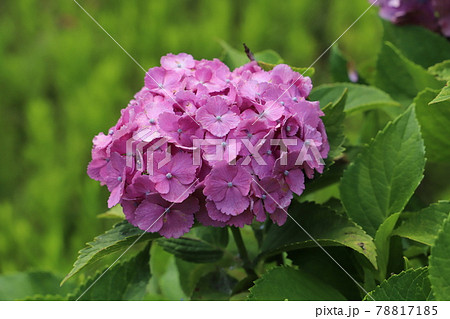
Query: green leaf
269,56
382,242
443,96
267,59
400,77
384,176
418,44
423,226
314,262
19,286
190,274
409,285
334,124
360,97
217,285
338,65
434,121
207,248
215,236
127,280
114,213
441,70
120,237
324,225
286,283
236,58
440,263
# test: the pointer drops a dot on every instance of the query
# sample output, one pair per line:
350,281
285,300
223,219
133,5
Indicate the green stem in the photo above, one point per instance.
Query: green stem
247,264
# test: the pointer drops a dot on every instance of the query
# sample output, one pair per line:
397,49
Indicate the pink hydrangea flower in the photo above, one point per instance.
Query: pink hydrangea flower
199,141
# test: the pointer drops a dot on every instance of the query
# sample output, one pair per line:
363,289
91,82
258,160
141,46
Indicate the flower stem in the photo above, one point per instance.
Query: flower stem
247,264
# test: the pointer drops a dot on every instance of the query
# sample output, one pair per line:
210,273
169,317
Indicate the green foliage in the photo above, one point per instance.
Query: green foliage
129,279
441,70
434,119
440,263
286,283
410,285
338,65
382,242
324,225
334,122
383,178
417,44
443,96
22,285
360,97
374,221
119,238
214,286
407,80
192,250
423,226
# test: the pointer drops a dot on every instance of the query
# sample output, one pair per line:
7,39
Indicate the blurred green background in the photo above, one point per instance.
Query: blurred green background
62,80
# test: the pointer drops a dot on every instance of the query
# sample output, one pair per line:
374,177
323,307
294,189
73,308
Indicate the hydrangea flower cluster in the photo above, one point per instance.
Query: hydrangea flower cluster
431,14
201,142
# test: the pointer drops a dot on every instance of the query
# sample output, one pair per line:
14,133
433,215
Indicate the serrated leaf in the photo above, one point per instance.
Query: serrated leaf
401,78
440,263
423,226
360,97
434,122
22,285
334,124
324,225
120,237
409,285
443,96
418,44
205,245
127,280
286,283
384,176
441,70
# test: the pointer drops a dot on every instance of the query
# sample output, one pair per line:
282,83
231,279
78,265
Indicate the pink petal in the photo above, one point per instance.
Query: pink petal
279,217
216,214
241,220
149,216
233,203
178,192
296,181
177,223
